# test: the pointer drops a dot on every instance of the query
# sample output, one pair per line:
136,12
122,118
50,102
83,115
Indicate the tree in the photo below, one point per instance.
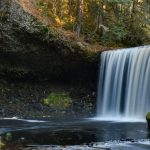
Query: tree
102,21
79,17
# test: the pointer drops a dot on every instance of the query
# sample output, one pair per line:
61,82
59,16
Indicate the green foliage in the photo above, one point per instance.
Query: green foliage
58,100
118,1
115,34
49,32
126,20
135,37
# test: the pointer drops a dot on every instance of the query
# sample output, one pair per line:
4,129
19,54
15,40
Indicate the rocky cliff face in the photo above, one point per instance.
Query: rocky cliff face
29,51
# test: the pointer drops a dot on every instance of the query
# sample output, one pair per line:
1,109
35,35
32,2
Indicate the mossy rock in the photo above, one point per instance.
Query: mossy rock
148,116
2,144
148,119
58,100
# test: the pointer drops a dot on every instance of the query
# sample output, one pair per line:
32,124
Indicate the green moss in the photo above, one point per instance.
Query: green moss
49,33
2,145
58,100
8,136
148,116
2,16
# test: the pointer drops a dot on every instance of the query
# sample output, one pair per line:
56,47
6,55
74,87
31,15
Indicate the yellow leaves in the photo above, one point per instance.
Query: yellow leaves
71,19
58,21
45,3
40,10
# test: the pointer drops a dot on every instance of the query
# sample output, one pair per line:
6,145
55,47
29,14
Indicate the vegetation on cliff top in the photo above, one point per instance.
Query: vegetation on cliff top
97,24
105,22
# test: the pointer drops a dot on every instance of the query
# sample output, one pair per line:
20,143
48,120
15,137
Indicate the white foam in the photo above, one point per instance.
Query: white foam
26,120
118,119
114,145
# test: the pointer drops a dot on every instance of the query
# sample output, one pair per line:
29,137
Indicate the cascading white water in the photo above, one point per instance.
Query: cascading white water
124,83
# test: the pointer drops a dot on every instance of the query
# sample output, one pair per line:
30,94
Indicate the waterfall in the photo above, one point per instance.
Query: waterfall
124,83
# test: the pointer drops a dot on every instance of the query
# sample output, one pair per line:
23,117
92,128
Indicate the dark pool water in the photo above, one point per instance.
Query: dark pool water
78,133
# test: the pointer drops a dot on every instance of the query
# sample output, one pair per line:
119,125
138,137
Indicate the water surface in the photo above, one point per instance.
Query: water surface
78,133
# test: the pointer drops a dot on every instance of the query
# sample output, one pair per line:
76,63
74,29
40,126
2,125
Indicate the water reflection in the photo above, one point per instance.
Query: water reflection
121,131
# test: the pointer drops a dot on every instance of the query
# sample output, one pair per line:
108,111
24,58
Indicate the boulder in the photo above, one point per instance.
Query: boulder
148,119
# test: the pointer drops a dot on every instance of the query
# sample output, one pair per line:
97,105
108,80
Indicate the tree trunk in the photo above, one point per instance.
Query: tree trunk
54,7
134,11
70,3
100,19
79,17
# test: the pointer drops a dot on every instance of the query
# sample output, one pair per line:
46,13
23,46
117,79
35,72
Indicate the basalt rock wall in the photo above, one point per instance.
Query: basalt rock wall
29,51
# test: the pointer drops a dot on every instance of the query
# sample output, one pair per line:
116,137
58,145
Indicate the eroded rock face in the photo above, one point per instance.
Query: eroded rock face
25,53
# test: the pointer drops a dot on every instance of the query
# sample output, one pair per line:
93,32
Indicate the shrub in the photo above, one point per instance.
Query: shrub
115,34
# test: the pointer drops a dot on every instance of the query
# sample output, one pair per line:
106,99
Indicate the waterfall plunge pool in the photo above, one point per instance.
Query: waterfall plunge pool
123,98
76,134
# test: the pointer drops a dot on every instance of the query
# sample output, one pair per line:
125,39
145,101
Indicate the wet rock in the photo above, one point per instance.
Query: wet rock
148,119
25,100
2,112
80,45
